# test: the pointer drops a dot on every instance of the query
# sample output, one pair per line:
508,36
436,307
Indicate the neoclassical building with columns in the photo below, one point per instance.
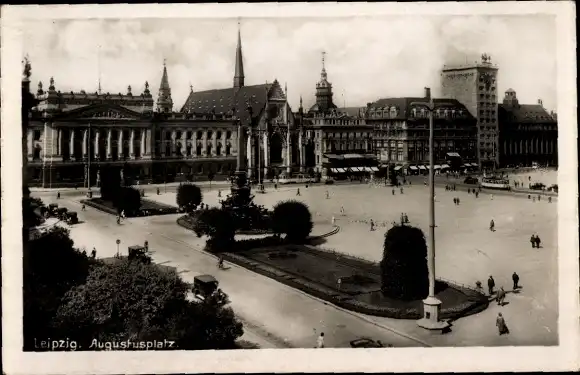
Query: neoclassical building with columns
72,134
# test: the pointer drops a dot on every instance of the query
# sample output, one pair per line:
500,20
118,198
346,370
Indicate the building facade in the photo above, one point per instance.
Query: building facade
400,128
527,133
475,86
335,141
72,135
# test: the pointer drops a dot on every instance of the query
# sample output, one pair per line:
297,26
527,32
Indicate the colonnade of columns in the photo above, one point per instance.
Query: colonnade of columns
258,151
208,145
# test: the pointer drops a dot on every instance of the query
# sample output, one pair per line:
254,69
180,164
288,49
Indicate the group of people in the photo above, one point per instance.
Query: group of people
474,191
456,201
450,187
404,218
93,253
535,241
500,299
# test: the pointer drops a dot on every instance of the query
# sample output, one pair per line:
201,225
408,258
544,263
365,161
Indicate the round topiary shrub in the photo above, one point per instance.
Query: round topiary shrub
404,270
188,197
219,226
292,218
128,199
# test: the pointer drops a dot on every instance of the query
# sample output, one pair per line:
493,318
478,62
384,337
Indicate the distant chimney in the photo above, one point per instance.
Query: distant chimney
427,93
540,101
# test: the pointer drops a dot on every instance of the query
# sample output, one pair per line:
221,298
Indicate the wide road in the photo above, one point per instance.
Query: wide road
274,314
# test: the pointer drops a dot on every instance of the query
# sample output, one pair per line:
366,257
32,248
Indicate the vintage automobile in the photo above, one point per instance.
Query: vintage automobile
138,252
204,286
61,213
52,209
364,342
537,186
72,217
470,180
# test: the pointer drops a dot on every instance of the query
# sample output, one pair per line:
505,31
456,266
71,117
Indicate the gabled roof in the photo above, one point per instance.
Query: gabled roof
525,113
404,104
223,100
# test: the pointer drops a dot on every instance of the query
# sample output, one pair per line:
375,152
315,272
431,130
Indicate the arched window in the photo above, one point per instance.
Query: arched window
228,150
209,145
199,134
219,135
228,134
198,149
218,149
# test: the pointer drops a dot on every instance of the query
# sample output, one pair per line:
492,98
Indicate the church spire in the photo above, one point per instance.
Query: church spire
239,72
164,101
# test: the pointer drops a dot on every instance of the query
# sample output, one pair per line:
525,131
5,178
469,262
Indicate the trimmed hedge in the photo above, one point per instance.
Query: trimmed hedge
148,208
187,221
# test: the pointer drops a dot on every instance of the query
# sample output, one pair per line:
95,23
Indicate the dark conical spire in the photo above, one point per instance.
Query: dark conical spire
239,73
164,101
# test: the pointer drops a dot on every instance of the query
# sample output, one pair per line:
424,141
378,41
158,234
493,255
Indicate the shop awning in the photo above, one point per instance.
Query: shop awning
474,165
445,166
334,170
437,167
374,169
398,167
467,165
354,169
428,166
422,167
453,154
341,170
412,167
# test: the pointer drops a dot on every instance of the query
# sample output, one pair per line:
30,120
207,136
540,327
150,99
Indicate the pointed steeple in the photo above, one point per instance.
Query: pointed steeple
164,101
239,72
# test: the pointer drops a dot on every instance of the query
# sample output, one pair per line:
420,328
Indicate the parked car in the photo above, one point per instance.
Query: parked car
364,342
537,186
553,188
204,286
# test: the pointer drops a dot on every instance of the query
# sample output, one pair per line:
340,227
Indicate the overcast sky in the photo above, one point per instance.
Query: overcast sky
366,58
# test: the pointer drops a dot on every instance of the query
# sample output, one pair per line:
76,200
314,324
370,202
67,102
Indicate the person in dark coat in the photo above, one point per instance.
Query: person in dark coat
538,241
501,325
500,296
490,285
516,280
476,194
58,195
533,241
492,226
94,253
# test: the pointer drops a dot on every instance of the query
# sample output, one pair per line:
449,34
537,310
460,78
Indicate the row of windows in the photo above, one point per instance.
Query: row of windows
484,87
487,96
438,113
199,134
487,112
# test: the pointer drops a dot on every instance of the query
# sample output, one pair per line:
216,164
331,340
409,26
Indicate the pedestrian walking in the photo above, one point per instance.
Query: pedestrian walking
401,190
372,225
158,191
406,218
84,252
393,191
500,296
458,201
58,195
146,245
533,241
501,325
549,199
298,192
94,253
342,210
320,341
327,195
276,186
476,194
455,201
83,207
490,285
516,280
492,225
538,241
539,197
219,193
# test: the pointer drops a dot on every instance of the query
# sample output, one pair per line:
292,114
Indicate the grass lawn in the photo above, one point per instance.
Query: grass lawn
360,279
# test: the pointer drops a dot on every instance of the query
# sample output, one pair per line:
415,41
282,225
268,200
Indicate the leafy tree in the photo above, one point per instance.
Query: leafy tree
189,196
128,199
218,225
52,266
125,300
404,266
292,218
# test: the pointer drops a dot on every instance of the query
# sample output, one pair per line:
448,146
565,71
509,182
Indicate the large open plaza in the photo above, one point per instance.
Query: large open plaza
467,251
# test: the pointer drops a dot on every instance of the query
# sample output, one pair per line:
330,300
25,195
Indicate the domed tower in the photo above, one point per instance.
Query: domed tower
324,91
164,101
510,99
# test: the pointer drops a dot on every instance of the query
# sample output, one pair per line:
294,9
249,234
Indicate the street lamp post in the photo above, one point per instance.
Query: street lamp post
431,304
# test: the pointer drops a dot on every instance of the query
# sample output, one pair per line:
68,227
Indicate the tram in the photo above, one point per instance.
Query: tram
495,183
